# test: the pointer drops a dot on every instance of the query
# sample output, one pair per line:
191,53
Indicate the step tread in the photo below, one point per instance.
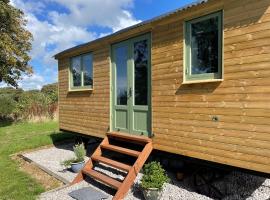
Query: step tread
103,178
121,150
112,163
129,137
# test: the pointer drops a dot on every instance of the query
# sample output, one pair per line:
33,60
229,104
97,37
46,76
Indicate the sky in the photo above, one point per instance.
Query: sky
60,24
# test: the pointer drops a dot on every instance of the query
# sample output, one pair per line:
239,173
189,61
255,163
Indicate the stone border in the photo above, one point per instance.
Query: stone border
63,180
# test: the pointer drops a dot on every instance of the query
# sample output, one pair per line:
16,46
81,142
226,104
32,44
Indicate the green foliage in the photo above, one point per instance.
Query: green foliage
11,90
154,176
51,91
17,137
15,44
79,152
67,163
7,106
29,105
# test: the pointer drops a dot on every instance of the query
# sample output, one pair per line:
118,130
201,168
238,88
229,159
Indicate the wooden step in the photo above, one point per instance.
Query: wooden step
132,171
129,137
121,150
112,163
103,178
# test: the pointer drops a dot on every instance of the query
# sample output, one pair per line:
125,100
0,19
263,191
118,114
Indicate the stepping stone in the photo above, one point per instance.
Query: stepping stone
88,193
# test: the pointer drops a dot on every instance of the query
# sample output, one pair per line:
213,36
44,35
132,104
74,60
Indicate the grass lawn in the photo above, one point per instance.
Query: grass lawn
14,184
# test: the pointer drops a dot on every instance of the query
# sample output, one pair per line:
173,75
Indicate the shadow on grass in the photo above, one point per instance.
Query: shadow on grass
60,137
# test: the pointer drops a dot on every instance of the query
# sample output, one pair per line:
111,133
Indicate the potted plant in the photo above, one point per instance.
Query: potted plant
153,180
76,163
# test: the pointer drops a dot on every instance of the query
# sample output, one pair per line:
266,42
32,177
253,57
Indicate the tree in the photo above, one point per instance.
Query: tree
15,44
51,91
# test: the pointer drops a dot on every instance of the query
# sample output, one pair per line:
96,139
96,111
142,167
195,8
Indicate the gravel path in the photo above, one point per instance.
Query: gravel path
236,185
50,158
170,192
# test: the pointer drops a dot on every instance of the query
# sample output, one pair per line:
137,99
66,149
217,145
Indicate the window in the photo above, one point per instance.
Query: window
81,72
203,48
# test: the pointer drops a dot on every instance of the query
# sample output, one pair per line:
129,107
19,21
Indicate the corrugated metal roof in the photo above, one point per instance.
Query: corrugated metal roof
196,3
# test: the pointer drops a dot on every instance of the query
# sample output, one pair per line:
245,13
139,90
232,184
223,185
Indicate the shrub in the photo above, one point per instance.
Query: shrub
154,176
79,152
7,106
33,105
51,91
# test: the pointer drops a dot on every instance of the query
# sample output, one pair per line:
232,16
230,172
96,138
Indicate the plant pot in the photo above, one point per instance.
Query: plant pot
152,193
76,167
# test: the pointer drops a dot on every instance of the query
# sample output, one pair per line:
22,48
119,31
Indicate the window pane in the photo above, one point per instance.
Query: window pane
141,66
204,46
88,69
76,71
121,75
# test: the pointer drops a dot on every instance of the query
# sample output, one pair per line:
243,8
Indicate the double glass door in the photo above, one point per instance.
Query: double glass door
131,86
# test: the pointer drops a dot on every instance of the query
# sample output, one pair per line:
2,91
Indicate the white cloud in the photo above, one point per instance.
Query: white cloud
124,21
50,39
62,30
32,82
34,6
106,13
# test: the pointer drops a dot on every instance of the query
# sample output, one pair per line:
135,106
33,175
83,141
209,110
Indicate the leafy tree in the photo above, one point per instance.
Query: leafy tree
15,44
51,91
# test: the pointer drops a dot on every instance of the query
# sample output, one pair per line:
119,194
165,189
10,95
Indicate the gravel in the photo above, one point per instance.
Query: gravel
235,185
62,193
52,157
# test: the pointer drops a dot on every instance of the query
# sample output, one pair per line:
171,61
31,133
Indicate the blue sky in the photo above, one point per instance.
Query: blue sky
60,24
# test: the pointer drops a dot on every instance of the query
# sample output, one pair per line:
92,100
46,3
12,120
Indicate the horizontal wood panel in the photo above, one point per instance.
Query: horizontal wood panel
182,115
239,134
247,153
221,118
86,112
226,140
215,111
213,158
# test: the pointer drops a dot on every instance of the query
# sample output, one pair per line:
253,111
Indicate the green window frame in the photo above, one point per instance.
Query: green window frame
189,76
83,66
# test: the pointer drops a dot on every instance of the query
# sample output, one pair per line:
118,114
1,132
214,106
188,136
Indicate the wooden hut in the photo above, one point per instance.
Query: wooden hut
195,81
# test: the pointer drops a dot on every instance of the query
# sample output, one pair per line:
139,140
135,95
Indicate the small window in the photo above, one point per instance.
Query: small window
81,72
203,48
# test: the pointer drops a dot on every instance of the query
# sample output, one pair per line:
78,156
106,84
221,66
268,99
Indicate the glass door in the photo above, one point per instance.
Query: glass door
131,97
120,85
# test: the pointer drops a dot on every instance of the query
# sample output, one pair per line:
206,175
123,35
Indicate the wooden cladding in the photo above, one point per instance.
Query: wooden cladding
183,114
86,112
225,122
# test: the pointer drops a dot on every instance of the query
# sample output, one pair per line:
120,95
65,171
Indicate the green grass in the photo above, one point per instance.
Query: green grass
14,184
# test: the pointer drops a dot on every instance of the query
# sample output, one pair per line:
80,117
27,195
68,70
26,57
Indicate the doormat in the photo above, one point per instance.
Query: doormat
88,193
